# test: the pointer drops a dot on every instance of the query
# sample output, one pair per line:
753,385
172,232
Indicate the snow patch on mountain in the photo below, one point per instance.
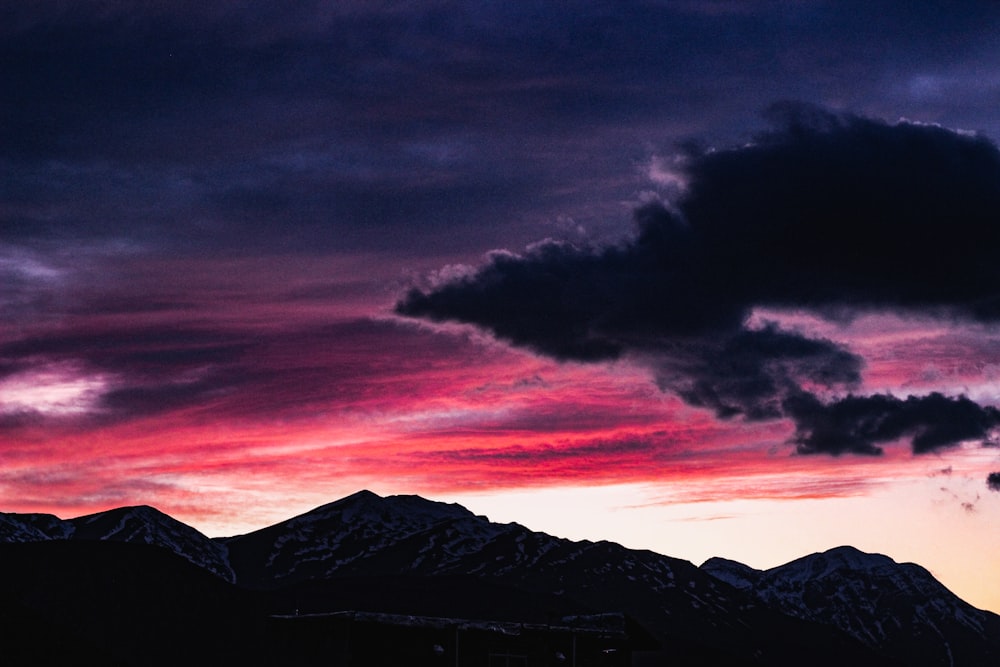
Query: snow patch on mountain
732,572
33,528
138,525
143,524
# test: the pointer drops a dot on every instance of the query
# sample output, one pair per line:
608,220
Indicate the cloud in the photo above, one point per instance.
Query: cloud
587,304
205,125
122,373
55,390
857,424
832,213
828,211
107,372
612,458
839,211
993,481
752,372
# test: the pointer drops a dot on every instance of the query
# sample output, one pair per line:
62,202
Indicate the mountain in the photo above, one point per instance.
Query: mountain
365,535
409,555
33,528
898,608
140,524
353,535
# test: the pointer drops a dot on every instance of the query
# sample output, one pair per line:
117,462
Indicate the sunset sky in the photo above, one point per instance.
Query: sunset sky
713,278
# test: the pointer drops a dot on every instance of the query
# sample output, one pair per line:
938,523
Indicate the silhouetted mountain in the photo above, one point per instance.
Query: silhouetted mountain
898,608
137,525
693,614
732,572
408,555
33,528
354,535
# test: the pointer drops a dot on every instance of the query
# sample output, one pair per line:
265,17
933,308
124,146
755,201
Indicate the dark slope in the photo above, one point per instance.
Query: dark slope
137,604
32,638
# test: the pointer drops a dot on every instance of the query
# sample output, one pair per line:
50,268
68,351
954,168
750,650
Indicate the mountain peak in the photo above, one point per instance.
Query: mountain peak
856,559
146,511
732,572
144,524
883,604
842,558
353,527
362,497
367,506
127,520
33,527
359,496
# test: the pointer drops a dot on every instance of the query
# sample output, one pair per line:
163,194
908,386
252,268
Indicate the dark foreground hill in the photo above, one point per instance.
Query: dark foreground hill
134,586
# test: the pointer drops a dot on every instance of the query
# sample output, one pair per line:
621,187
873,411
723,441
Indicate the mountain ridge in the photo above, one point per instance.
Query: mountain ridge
133,523
719,610
866,595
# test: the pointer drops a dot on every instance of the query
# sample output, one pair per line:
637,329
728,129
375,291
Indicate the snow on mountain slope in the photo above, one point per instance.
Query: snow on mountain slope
858,591
366,536
33,528
328,539
141,524
369,534
896,607
732,572
147,525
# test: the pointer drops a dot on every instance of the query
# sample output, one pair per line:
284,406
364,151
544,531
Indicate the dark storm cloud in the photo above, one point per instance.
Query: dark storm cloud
833,213
828,211
993,481
752,372
857,424
590,303
840,211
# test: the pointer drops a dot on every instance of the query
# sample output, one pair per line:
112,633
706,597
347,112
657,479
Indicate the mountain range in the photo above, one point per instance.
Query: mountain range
134,586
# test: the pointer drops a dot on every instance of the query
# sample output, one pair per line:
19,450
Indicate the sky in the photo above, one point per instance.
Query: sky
709,278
